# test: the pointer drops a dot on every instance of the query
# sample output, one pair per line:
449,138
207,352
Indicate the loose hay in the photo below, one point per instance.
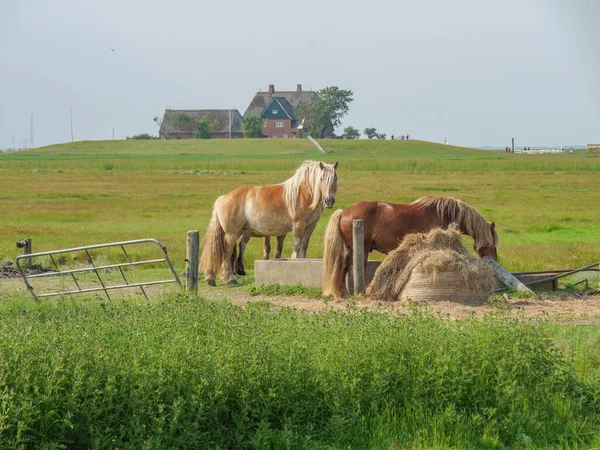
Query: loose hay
433,266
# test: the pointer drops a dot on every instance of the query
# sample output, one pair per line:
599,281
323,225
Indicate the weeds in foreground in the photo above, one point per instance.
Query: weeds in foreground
188,373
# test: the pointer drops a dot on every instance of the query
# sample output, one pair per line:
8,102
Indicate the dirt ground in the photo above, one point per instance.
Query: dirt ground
561,306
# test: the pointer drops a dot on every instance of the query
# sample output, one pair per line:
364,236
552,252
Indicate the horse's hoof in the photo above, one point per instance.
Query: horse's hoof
241,272
211,282
233,282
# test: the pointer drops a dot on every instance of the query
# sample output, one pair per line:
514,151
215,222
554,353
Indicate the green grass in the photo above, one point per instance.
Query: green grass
65,195
188,373
278,289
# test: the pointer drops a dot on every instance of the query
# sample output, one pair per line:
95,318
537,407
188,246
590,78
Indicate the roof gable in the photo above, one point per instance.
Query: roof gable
278,108
262,99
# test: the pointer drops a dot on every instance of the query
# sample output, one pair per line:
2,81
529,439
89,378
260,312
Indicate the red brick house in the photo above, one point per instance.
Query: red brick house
228,123
277,109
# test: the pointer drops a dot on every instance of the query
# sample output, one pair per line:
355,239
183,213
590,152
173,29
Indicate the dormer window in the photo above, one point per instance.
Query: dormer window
274,111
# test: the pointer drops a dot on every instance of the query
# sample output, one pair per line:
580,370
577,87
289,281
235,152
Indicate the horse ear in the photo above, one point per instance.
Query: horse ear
335,166
321,165
493,226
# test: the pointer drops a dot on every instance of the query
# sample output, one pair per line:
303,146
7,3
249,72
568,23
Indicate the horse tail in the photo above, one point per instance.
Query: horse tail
334,259
213,244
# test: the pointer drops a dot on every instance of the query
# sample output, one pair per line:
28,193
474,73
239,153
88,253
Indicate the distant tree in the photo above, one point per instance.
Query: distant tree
381,135
370,132
392,138
142,136
252,126
171,122
330,105
351,133
205,128
337,100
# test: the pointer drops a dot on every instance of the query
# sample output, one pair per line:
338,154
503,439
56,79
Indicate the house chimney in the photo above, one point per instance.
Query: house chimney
271,88
298,88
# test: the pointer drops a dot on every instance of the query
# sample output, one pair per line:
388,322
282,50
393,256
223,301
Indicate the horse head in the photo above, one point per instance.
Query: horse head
488,250
328,183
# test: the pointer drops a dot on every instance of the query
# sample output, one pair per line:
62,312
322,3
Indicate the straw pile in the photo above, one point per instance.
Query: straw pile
433,266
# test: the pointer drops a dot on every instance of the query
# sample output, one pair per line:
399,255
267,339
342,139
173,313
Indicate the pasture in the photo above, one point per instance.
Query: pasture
201,372
545,206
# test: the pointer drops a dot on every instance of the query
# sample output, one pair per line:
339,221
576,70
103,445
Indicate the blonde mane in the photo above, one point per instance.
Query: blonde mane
309,173
458,211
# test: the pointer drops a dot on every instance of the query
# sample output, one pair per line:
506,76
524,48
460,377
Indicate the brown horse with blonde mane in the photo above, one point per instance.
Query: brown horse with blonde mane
295,205
385,225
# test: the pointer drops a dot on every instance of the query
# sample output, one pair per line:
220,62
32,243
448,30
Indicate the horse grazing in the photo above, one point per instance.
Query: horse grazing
237,259
295,205
385,225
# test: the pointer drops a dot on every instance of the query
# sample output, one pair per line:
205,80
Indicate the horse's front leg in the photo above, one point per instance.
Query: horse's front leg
227,275
266,247
297,237
279,246
308,231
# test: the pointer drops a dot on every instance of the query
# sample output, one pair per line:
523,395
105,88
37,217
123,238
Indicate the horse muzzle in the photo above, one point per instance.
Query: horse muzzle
329,202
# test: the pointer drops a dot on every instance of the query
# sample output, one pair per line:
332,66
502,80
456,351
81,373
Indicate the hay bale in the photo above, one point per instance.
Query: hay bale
433,266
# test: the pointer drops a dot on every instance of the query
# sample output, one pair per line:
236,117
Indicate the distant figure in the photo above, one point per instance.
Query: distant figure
402,137
407,136
392,137
528,149
445,141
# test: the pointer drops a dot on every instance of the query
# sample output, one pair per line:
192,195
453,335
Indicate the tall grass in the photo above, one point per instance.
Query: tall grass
187,373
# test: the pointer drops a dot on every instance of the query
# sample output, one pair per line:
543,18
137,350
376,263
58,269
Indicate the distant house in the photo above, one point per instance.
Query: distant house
228,123
277,109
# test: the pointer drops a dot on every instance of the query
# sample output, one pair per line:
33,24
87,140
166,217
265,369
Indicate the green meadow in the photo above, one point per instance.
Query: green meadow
545,206
188,372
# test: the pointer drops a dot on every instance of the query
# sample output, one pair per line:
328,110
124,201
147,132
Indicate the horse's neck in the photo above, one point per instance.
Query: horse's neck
305,200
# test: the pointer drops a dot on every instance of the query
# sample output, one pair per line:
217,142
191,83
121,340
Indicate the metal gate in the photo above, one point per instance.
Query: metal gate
92,268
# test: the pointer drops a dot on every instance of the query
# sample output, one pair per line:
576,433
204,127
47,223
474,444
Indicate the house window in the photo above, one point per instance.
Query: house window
274,111
278,124
264,124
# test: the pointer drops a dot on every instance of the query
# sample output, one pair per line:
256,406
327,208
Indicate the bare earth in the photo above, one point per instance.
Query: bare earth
563,308
560,306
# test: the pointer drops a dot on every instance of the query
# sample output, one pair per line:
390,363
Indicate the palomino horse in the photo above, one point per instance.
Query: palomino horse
237,259
386,224
295,205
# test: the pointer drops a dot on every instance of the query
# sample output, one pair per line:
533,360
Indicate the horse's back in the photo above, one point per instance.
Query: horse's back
260,209
385,223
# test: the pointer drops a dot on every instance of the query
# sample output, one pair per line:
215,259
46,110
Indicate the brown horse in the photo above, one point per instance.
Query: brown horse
237,259
386,224
295,205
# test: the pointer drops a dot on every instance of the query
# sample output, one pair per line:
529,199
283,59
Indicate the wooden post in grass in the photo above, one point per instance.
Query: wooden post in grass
191,261
506,277
358,263
25,244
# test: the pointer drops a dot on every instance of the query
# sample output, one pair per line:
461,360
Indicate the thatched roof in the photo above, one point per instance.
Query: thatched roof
295,98
221,116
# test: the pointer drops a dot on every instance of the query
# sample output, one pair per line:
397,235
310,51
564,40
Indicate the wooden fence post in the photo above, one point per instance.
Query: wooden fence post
191,261
358,263
25,244
506,277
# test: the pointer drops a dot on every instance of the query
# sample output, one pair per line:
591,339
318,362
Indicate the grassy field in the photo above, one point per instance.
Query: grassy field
180,372
188,373
91,192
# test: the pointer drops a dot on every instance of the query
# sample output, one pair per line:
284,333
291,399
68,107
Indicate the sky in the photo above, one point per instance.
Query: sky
470,71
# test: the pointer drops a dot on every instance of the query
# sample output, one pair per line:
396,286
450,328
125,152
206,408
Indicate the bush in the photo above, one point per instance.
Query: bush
142,136
186,373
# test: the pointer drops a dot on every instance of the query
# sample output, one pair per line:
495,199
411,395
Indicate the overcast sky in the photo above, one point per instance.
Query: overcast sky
475,72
